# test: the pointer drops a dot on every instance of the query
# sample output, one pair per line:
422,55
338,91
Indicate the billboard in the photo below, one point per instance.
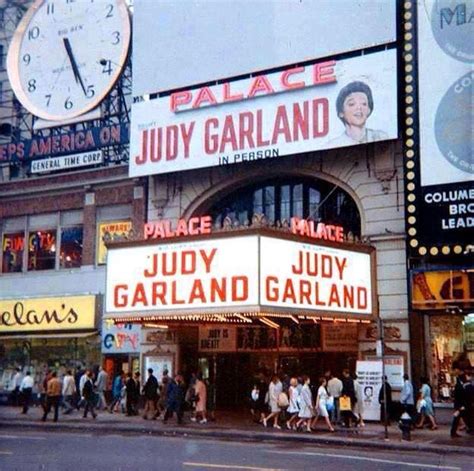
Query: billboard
251,36
225,274
324,105
440,186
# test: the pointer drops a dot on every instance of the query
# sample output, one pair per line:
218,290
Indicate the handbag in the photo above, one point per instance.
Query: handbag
330,403
282,400
345,403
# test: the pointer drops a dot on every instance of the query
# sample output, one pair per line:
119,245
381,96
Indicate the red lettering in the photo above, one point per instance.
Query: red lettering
180,98
287,74
120,295
260,84
324,72
228,94
204,95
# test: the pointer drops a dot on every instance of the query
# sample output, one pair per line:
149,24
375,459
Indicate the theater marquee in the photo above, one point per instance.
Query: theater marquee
251,273
266,116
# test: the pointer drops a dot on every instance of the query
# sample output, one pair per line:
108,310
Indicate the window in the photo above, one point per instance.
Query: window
13,247
281,199
71,247
42,250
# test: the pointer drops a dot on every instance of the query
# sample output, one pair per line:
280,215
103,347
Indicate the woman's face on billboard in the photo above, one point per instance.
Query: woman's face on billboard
356,109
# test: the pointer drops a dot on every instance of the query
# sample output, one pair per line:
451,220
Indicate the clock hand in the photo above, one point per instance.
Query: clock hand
75,69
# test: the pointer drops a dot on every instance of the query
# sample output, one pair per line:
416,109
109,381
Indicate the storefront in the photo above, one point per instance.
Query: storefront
233,305
39,334
443,302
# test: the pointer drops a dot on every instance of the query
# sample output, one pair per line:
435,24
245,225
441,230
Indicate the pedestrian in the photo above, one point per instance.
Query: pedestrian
407,397
469,415
26,389
293,406
89,396
150,391
53,396
136,397
101,385
77,379
200,393
425,405
348,392
69,390
359,405
165,379
388,396
116,392
334,387
322,399
82,381
175,397
130,386
460,401
262,400
15,387
274,390
305,413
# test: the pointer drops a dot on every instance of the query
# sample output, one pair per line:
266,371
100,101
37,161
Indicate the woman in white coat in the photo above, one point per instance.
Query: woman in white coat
293,407
274,390
305,413
321,405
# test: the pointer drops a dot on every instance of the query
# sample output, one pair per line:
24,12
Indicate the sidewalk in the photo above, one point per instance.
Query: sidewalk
235,426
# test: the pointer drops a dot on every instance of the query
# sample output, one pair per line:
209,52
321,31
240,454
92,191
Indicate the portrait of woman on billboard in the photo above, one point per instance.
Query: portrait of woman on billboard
354,105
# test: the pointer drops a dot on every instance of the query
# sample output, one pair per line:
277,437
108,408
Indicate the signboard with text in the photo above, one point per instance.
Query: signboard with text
440,187
226,273
369,377
299,109
340,337
47,314
120,338
110,231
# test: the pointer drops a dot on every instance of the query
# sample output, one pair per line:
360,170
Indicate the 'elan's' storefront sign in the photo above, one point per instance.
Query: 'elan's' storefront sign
41,314
252,271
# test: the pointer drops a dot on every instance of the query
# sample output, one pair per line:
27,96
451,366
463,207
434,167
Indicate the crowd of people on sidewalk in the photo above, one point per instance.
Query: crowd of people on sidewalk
278,400
86,391
295,404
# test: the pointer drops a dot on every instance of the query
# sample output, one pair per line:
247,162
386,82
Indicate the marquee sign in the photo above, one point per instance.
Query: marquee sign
296,110
251,272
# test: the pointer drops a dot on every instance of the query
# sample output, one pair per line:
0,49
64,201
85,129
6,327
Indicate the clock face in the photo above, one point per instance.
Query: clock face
66,55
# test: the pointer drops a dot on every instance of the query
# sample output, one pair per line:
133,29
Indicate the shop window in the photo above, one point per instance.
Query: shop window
13,246
71,247
42,250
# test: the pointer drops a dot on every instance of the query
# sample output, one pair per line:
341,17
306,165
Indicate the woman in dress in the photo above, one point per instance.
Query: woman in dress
293,407
321,405
274,390
200,391
359,405
305,413
427,409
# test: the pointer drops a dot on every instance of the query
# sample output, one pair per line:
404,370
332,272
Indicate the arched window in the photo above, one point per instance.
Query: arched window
280,199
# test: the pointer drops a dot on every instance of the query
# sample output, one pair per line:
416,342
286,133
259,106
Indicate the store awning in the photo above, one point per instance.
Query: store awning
61,335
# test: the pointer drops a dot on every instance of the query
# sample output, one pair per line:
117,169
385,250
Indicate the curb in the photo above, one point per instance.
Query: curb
245,436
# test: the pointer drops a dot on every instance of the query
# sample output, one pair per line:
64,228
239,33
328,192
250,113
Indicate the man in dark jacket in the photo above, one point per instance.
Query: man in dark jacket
150,391
348,390
89,397
175,395
460,401
388,392
130,387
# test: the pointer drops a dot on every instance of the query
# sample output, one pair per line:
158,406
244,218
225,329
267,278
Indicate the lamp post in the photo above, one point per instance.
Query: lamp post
382,355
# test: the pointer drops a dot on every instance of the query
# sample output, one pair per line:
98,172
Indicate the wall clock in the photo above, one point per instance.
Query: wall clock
66,55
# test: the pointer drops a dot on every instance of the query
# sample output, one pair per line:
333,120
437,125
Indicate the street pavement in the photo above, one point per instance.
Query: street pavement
239,426
78,451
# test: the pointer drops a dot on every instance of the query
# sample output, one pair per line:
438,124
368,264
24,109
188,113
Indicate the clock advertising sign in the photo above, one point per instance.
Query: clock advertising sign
66,55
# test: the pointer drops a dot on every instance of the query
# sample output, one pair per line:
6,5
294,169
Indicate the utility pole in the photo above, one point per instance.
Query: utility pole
382,355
